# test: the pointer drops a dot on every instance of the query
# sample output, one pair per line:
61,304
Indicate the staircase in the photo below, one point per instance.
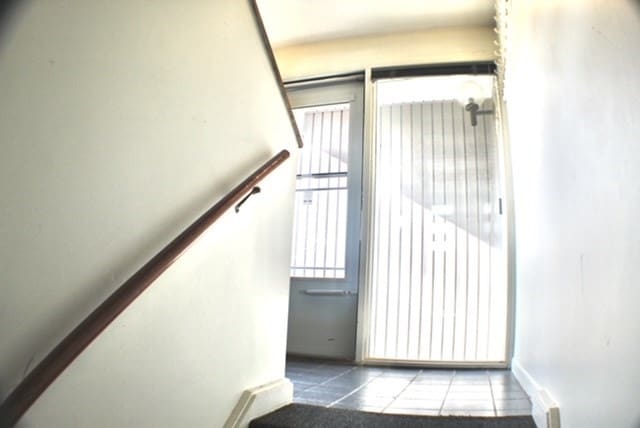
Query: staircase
305,416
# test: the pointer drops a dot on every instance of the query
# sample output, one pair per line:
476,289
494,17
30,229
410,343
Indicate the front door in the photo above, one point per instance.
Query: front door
325,248
438,288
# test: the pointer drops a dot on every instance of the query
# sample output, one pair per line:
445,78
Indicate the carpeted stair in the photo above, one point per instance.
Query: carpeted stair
305,416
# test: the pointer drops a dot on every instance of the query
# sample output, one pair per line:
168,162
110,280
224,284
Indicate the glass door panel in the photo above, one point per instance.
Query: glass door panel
325,249
438,290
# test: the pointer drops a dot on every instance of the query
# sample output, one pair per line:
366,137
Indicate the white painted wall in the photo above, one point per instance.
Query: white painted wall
121,122
572,96
346,55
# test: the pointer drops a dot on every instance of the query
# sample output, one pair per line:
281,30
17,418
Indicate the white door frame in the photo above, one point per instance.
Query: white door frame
369,169
319,94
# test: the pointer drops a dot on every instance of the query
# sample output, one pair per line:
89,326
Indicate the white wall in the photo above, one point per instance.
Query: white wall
121,122
572,96
357,53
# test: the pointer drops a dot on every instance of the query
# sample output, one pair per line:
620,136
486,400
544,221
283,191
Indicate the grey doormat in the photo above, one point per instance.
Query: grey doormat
305,416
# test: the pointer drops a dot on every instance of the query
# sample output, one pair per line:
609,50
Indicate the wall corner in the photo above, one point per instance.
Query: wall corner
259,401
544,410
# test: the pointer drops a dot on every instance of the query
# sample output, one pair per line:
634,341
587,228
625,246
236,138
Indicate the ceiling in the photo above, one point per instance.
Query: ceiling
290,22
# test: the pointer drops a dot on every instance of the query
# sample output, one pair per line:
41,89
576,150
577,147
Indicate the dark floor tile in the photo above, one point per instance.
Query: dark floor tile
371,370
301,383
311,402
331,389
301,386
301,364
362,408
334,369
407,390
327,374
309,374
354,378
321,397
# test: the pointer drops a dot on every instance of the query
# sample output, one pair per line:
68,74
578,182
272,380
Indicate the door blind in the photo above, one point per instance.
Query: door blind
438,292
320,214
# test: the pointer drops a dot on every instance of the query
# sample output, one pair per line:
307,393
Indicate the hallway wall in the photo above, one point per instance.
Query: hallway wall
572,92
120,123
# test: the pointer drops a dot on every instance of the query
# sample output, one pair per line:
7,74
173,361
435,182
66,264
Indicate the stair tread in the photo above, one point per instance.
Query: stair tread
307,416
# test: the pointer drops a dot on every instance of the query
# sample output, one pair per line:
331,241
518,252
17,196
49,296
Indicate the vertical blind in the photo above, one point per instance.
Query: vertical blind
320,212
438,290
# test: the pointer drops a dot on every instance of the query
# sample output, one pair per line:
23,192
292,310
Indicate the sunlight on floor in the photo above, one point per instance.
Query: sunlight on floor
407,390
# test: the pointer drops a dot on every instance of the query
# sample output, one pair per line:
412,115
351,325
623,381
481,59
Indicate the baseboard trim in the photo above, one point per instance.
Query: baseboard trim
545,411
259,401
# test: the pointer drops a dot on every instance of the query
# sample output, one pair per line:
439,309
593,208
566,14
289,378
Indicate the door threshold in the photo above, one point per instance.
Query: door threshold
318,358
381,362
435,364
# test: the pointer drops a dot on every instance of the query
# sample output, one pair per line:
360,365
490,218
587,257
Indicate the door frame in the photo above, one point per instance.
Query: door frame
368,170
368,201
339,90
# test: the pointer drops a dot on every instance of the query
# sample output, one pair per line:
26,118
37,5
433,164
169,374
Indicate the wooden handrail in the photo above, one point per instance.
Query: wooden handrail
43,375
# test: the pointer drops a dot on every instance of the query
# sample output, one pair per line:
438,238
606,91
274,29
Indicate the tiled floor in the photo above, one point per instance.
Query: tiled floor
407,390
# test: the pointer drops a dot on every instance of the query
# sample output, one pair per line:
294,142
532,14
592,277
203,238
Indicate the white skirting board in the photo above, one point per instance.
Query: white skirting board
545,411
259,401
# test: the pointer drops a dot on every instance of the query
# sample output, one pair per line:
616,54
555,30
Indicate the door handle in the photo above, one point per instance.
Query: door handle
322,292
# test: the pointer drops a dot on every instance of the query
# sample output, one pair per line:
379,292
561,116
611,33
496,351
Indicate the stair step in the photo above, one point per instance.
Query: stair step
306,416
